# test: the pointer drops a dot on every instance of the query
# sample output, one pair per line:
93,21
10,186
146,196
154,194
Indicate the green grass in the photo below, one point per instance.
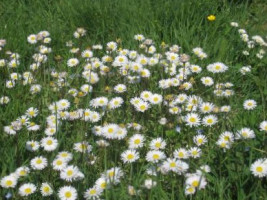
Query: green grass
181,22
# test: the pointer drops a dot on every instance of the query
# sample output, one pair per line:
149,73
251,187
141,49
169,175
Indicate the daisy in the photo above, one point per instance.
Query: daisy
9,130
142,106
181,153
33,127
72,62
4,100
65,156
223,143
101,183
135,67
109,131
225,109
145,73
155,156
207,81
113,175
195,152
189,190
87,54
157,144
121,133
227,136
259,168
149,183
50,131
245,133
195,69
209,120
249,104
69,173
59,164
206,107
181,98
217,67
63,104
67,193
192,119
263,126
112,46
146,95
22,171
99,102
156,99
196,181
83,147
200,139
129,156
9,181
120,61
32,112
136,141
32,145
38,163
115,103
49,143
46,190
32,39
93,193
139,37
120,88
27,189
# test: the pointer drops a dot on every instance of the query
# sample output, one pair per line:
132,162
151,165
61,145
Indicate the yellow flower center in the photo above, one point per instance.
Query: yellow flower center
46,189
192,119
172,164
110,130
69,172
209,121
68,194
130,156
200,140
111,174
9,182
142,107
103,185
155,156
181,154
195,183
259,169
59,162
158,145
28,190
39,161
137,141
49,142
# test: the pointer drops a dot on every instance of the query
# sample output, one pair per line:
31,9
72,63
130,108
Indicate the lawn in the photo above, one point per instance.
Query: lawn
133,99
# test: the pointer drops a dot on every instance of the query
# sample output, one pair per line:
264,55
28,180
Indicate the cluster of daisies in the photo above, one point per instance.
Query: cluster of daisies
84,93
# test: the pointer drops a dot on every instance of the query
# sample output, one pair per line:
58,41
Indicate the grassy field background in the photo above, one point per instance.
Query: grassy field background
182,22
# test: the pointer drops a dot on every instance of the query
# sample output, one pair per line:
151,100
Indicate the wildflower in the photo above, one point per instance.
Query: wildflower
259,168
67,193
27,189
157,144
46,189
136,141
249,104
211,17
129,156
155,156
9,181
38,163
192,119
263,126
